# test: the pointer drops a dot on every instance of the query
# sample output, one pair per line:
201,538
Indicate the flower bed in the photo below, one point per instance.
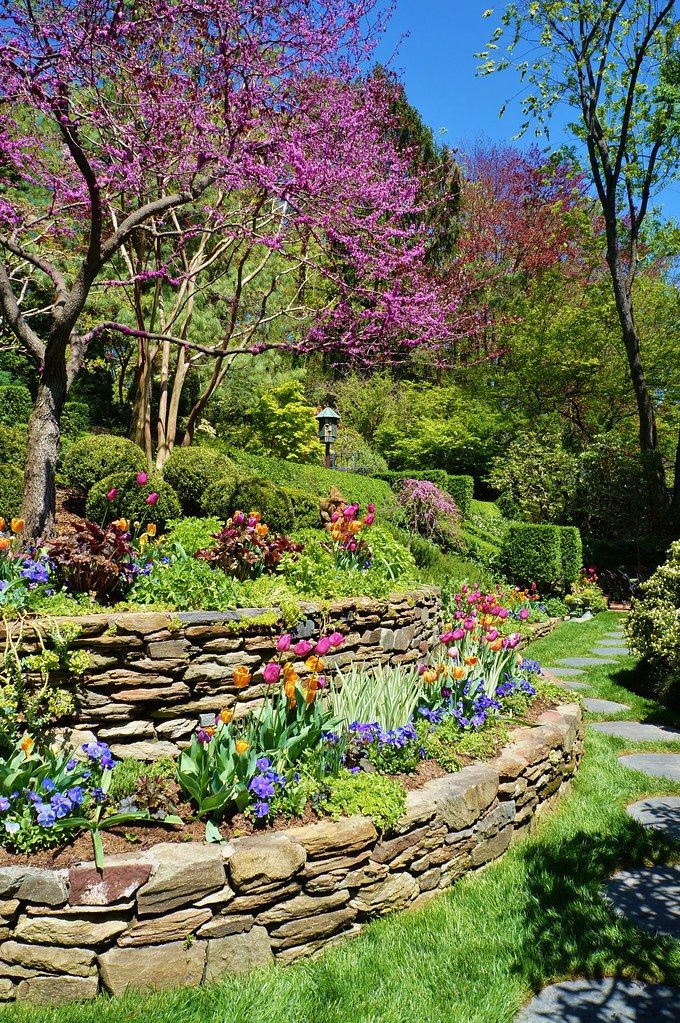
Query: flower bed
182,914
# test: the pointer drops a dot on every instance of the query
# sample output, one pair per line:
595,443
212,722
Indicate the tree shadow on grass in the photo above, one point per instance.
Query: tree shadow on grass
639,680
569,929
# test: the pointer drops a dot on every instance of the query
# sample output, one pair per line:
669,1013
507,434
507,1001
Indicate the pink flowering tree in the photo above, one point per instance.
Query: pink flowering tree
130,136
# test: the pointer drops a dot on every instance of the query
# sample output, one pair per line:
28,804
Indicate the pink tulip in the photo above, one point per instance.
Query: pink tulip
272,673
371,509
369,519
469,624
422,668
458,634
337,639
283,643
323,646
446,638
492,634
302,648
503,613
142,478
524,614
152,498
112,494
453,652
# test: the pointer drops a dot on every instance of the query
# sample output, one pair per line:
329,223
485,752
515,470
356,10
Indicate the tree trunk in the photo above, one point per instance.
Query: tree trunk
649,441
675,503
39,503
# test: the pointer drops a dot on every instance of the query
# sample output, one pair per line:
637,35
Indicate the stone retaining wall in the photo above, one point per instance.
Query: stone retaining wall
187,914
154,674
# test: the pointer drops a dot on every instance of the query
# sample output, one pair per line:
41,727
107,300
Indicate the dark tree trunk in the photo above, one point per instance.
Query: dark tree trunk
39,503
649,441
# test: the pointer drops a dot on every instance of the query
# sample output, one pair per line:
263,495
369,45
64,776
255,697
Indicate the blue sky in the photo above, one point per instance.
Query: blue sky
437,65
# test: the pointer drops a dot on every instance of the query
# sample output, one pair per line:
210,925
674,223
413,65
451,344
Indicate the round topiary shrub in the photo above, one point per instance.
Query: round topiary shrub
190,471
272,502
121,496
218,499
653,627
15,403
13,445
11,490
97,456
306,508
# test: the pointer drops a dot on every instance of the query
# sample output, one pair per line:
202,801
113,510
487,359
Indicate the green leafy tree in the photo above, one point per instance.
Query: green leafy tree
285,423
534,477
614,62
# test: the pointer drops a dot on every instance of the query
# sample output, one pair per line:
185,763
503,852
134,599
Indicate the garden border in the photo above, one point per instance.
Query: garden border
187,914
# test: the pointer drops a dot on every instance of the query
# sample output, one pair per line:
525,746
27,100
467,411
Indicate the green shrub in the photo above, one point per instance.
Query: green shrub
11,490
131,500
653,626
190,471
425,553
255,493
486,509
531,553
13,444
373,795
556,607
15,403
305,507
127,773
185,584
318,481
571,554
193,534
95,457
75,421
217,500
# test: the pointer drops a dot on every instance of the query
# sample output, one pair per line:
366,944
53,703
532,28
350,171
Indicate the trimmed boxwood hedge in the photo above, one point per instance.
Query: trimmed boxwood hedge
11,490
460,488
306,508
318,481
96,456
190,471
130,501
532,553
571,552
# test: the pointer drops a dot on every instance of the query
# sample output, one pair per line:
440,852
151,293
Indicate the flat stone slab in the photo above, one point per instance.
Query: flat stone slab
615,635
613,641
586,662
657,765
660,812
611,651
605,707
637,731
563,672
649,897
603,1001
567,684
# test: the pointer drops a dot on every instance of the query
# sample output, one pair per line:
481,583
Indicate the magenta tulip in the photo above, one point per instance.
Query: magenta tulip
457,634
152,498
323,646
524,614
283,643
337,639
272,673
142,478
302,648
112,494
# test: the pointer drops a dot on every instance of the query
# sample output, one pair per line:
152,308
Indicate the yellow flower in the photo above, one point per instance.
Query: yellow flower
26,745
314,663
241,747
151,528
289,673
226,715
355,527
121,524
430,676
18,525
242,676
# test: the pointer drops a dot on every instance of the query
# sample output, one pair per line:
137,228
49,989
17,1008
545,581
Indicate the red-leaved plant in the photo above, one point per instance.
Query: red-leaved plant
246,548
95,560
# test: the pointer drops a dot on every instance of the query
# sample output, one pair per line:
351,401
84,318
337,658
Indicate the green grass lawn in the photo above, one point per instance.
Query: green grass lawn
479,951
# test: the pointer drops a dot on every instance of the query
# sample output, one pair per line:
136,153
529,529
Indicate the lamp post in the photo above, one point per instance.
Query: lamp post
328,420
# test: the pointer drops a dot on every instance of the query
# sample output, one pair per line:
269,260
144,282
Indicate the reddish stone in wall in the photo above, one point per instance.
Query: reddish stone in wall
120,879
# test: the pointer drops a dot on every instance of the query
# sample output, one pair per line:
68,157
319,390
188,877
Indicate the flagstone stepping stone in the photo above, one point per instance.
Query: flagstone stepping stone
562,671
603,1001
615,634
636,731
585,662
568,684
615,641
648,897
611,651
604,707
658,765
662,813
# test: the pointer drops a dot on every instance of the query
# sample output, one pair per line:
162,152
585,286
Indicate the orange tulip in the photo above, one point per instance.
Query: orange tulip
355,527
497,644
255,515
289,673
151,528
261,529
26,745
4,543
121,524
458,673
242,676
18,525
289,690
430,676
471,660
314,663
2,523
226,715
241,747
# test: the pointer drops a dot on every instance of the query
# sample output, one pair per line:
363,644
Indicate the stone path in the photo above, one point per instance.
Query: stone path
657,765
605,707
603,1001
649,897
637,731
662,813
563,671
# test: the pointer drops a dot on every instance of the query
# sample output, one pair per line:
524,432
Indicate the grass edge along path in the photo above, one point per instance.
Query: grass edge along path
480,951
